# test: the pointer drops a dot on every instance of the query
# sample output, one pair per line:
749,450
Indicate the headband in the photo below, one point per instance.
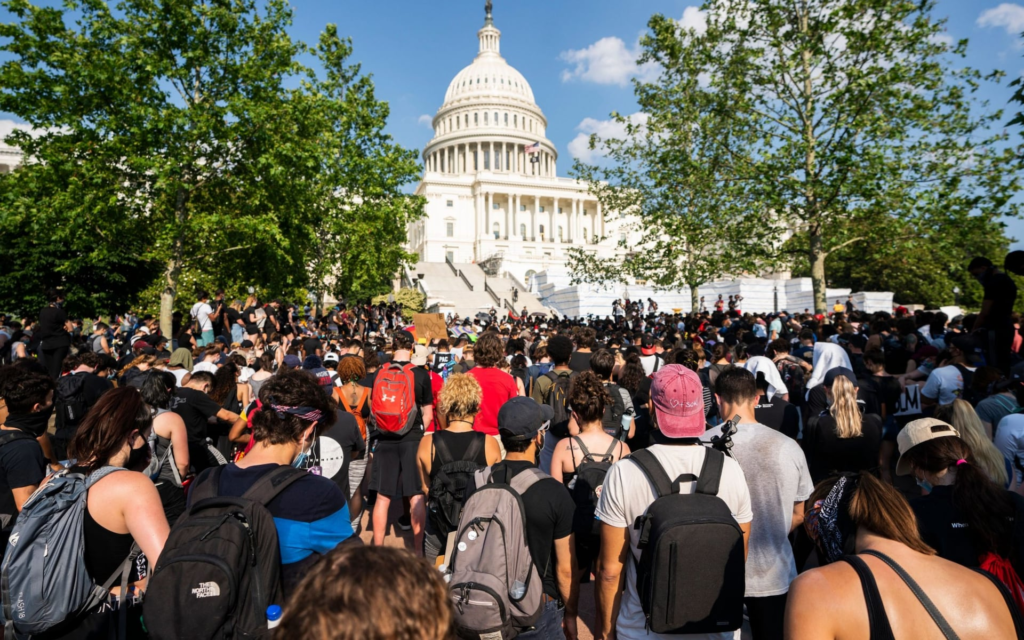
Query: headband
309,414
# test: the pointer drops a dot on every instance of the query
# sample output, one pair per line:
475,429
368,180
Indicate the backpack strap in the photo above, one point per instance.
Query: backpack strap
710,472
270,485
444,454
474,448
609,455
10,435
207,485
526,479
926,602
583,449
362,401
653,470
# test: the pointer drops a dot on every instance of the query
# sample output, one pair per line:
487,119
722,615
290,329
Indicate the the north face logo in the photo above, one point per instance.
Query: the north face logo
206,590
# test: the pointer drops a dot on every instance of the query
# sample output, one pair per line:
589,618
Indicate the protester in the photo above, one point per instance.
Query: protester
962,417
455,452
995,323
311,515
558,380
28,399
864,595
776,473
169,443
618,418
193,403
122,510
52,333
842,439
678,417
354,399
498,387
384,595
76,392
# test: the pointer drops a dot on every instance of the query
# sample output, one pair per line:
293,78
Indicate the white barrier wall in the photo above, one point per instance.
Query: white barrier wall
759,295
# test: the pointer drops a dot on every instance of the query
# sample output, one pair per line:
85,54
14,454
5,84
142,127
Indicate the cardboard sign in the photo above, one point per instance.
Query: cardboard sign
430,326
910,401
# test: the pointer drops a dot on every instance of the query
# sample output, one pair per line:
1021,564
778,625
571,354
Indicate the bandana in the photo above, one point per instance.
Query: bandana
829,521
309,414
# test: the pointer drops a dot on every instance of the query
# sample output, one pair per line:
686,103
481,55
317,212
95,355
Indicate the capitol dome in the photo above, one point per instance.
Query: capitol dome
489,77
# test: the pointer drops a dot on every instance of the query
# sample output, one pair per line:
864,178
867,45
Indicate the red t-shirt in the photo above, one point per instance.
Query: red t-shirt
436,384
498,387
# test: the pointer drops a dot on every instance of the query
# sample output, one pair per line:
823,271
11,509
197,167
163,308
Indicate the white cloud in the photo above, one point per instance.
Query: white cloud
695,19
426,120
579,147
607,61
1007,15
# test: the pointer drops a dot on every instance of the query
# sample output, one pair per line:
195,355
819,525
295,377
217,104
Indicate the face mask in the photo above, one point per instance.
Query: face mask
924,484
138,458
300,461
34,424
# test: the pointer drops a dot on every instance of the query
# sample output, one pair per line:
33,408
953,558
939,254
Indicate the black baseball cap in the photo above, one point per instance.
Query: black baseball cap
523,417
832,374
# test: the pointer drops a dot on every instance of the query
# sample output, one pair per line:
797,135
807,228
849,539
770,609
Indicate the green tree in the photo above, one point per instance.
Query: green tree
673,172
359,211
855,117
411,300
191,129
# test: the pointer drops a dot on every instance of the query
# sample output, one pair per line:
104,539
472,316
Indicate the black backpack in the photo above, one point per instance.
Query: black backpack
70,400
558,400
586,487
448,486
612,420
690,574
220,567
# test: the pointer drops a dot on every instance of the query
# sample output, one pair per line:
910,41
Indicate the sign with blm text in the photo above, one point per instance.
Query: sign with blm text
910,401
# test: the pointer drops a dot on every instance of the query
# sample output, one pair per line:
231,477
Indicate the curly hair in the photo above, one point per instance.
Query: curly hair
387,594
289,388
351,369
489,351
460,397
588,397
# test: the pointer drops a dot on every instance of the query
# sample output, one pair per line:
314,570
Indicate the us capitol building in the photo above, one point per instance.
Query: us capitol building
491,180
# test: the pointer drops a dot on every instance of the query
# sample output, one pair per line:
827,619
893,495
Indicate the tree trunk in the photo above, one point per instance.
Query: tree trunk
172,271
817,259
694,298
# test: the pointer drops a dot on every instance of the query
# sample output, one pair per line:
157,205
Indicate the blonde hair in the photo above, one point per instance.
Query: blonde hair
460,397
844,408
961,415
143,359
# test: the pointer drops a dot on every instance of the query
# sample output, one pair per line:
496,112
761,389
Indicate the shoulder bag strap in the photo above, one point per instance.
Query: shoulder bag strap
653,470
270,485
929,606
1018,620
711,472
444,454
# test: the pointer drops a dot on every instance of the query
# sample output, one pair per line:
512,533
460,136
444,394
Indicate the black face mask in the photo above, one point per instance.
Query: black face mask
34,424
138,458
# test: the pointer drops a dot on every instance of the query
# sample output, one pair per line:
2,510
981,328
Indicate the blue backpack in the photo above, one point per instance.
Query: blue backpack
44,580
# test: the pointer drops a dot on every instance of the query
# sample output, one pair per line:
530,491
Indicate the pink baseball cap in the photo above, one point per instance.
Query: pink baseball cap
678,398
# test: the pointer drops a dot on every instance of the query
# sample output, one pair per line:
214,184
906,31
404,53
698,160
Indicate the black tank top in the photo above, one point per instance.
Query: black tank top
105,550
457,443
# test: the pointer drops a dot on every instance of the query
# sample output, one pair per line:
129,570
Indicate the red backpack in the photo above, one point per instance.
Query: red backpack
393,404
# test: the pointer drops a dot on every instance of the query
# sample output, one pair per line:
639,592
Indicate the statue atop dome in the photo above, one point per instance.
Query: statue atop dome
488,7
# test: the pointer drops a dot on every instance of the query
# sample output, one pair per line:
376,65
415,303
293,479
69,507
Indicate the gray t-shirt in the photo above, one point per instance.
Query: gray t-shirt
626,494
777,475
994,408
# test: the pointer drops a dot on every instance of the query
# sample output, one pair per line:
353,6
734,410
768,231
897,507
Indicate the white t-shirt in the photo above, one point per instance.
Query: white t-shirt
1009,437
944,384
776,471
627,493
649,362
201,312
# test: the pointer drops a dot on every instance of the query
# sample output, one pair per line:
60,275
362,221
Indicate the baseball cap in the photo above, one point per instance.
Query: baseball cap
331,357
647,345
678,399
917,432
246,344
404,336
523,417
419,356
292,361
832,374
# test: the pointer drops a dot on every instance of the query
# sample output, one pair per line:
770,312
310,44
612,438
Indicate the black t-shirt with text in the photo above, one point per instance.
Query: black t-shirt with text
778,414
195,409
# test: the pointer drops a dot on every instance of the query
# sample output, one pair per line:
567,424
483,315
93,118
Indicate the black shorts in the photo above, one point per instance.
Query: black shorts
252,329
394,468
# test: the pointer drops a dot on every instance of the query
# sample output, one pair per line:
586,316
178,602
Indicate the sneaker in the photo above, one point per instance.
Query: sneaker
405,522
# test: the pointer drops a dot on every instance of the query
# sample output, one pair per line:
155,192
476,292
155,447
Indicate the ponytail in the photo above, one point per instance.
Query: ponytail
844,408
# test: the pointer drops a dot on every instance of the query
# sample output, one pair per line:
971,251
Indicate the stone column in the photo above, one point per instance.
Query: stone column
489,216
478,206
515,214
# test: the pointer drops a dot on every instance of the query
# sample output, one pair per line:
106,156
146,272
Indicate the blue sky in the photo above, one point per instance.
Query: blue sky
576,55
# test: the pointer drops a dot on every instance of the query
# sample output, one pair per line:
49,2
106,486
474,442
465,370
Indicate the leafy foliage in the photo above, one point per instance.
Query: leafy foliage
411,300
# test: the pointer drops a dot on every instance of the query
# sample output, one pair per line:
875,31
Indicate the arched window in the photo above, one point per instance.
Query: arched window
476,118
485,117
506,119
497,230
522,230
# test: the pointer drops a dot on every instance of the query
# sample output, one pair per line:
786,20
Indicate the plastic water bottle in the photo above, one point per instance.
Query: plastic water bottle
518,590
273,616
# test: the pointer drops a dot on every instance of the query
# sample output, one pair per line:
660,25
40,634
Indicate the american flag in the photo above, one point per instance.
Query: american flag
532,148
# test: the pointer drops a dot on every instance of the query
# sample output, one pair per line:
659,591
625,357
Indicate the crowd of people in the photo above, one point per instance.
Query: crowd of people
843,475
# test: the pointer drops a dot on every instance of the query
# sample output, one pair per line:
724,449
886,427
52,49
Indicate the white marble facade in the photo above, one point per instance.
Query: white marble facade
485,196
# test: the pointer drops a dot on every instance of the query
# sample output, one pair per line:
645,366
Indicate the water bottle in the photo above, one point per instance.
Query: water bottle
518,590
273,616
